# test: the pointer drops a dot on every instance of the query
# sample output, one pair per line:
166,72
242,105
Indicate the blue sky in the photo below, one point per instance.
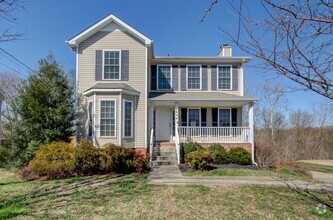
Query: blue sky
173,25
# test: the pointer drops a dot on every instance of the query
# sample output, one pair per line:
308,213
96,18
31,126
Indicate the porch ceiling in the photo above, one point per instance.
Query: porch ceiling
209,99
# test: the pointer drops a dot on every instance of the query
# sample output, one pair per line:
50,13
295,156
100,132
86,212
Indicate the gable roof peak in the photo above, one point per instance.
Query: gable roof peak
85,34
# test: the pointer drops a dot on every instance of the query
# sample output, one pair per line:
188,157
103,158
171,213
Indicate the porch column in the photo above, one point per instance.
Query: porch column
151,118
176,117
251,125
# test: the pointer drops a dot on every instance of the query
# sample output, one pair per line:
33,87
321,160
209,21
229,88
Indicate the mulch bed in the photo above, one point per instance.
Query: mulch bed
186,168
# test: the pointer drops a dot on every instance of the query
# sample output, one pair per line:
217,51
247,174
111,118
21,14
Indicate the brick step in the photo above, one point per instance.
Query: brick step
170,158
164,144
164,149
165,154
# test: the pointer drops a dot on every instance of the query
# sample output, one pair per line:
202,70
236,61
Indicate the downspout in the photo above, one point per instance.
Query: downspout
251,124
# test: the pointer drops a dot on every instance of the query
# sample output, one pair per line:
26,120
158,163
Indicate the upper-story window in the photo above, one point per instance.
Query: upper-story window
111,65
194,77
164,77
224,77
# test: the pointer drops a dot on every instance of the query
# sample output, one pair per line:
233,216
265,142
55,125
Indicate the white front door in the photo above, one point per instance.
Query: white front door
163,124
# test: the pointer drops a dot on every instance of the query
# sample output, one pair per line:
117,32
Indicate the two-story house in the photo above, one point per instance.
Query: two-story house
132,98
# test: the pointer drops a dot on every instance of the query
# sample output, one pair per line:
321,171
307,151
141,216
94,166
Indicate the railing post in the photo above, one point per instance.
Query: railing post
177,132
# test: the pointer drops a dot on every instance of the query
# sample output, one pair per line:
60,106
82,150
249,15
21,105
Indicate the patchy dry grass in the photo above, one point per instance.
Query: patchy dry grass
130,197
317,167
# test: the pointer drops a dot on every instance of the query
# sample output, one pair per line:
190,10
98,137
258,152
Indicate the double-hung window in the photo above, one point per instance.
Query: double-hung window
224,77
128,119
194,117
111,67
194,77
164,77
224,117
108,118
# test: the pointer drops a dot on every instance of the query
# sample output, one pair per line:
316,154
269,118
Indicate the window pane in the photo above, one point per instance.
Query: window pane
224,117
194,117
164,77
193,77
107,119
224,77
128,119
111,64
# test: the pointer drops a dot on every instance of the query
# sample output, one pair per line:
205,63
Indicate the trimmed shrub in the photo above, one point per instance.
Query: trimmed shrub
4,156
199,159
54,160
87,158
141,163
190,147
219,154
239,156
116,159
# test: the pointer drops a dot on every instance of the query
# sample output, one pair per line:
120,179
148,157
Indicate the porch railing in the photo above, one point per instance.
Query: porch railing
214,134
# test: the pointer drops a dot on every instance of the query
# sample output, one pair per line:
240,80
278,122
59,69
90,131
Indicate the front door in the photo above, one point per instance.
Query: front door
163,124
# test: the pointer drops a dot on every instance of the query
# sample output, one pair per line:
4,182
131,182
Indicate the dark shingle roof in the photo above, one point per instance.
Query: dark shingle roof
113,86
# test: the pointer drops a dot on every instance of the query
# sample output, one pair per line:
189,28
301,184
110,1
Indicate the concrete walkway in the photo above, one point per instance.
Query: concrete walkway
171,175
320,162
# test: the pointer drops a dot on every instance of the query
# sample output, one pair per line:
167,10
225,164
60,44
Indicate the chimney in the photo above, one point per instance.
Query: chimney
225,50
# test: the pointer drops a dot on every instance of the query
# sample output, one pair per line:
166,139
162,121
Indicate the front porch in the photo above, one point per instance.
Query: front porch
203,121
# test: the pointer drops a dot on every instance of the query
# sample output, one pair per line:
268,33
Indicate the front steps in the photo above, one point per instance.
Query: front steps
164,153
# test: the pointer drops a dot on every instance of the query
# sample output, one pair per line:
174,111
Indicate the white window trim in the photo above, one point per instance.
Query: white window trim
132,118
169,65
217,74
218,116
188,125
92,115
113,50
115,118
195,65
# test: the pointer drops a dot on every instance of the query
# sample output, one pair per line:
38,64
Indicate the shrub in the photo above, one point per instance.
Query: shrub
117,159
54,160
239,156
199,159
87,158
190,147
4,156
141,163
219,154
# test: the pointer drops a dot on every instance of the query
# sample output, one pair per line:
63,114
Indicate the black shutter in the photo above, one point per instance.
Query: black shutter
153,80
183,77
175,77
184,116
234,117
215,117
203,117
99,65
214,77
124,65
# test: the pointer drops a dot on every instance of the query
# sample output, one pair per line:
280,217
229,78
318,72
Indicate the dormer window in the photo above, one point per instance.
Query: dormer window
164,77
111,64
224,77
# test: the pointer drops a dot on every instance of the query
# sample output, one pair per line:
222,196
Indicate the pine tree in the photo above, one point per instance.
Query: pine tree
43,110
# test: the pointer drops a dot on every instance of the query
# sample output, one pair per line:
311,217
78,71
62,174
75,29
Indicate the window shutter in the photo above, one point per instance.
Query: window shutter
184,116
183,77
235,70
99,65
175,77
203,117
214,77
124,65
204,78
215,117
234,117
153,79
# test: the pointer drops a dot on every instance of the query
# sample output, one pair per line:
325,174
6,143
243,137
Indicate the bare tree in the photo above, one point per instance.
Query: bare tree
7,9
294,39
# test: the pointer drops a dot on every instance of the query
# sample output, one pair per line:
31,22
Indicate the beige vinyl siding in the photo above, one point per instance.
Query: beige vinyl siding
137,66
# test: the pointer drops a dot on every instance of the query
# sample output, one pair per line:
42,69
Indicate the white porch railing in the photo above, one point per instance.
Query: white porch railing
215,134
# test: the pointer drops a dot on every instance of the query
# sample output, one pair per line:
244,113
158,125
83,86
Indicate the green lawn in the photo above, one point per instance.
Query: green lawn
130,197
317,167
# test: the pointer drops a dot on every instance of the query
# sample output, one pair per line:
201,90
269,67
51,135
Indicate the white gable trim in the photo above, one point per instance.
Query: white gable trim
76,40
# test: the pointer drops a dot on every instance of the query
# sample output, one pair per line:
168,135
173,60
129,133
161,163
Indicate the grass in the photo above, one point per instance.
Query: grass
130,197
317,167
